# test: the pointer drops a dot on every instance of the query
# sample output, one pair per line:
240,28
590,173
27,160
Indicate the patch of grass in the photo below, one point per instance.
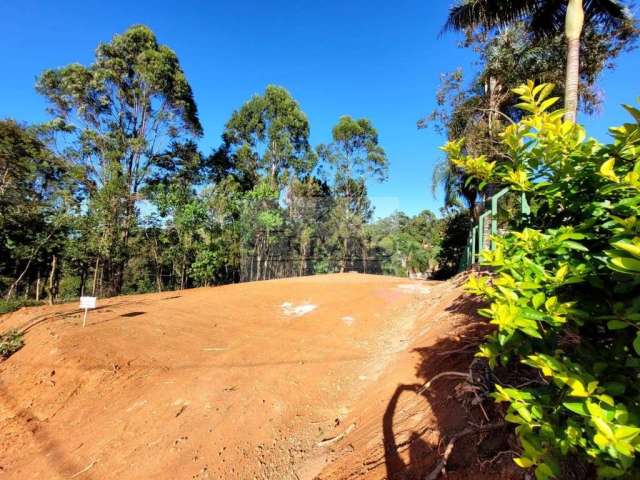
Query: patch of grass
14,304
10,343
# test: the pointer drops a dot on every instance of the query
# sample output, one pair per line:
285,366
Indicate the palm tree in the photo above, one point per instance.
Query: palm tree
545,17
457,191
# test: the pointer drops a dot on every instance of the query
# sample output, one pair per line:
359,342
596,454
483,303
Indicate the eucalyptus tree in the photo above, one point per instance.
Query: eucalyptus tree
268,137
547,17
355,153
354,156
119,115
266,147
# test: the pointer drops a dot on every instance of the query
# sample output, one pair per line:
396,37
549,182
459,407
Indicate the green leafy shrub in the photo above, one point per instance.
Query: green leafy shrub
10,342
14,304
564,292
69,288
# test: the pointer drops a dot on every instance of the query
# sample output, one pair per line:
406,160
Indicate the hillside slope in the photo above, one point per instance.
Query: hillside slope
297,378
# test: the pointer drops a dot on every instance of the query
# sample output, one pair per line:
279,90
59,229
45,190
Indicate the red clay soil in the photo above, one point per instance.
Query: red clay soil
234,383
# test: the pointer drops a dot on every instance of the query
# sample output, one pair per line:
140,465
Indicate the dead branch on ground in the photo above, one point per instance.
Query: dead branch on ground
442,463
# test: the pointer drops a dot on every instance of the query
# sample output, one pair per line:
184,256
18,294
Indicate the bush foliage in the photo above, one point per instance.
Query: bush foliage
564,292
14,304
10,343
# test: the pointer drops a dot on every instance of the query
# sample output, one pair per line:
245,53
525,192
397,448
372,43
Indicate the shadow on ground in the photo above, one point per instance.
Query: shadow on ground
413,445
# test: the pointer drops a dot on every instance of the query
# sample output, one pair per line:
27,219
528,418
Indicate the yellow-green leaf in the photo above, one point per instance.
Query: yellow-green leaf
546,90
606,170
562,272
524,462
526,106
632,248
616,325
537,299
627,433
547,103
627,263
576,407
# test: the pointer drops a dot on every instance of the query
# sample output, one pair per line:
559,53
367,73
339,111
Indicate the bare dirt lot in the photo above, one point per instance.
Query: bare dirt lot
304,378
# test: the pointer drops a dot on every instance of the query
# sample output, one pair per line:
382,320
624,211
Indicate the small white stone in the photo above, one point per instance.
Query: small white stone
348,320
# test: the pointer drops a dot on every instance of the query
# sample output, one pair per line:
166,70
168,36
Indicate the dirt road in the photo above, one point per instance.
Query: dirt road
236,382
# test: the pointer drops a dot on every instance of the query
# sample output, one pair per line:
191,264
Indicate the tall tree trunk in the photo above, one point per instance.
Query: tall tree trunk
364,258
266,257
101,280
83,279
38,286
117,279
493,87
343,261
159,278
573,29
156,259
52,275
251,263
14,285
303,261
95,277
183,271
258,263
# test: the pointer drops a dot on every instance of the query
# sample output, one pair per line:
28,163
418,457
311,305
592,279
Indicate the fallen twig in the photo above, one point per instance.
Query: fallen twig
427,385
337,438
442,463
471,346
479,403
490,461
88,467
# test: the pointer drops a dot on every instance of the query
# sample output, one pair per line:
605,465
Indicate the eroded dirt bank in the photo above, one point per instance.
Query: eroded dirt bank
400,428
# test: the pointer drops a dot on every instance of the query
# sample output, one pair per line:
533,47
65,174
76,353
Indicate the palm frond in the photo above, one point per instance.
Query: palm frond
548,18
488,13
544,17
609,12
443,175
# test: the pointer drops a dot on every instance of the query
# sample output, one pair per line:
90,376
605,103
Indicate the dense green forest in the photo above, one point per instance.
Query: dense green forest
113,195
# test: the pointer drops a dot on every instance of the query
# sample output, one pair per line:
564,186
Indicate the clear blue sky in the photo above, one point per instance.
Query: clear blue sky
375,59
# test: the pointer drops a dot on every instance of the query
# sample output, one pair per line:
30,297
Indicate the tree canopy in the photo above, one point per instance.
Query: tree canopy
124,119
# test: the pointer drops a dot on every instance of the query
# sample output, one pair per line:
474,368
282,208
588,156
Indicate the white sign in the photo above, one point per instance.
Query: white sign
87,302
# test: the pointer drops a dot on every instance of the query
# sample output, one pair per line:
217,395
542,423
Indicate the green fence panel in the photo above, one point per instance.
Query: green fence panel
474,235
476,240
482,233
494,214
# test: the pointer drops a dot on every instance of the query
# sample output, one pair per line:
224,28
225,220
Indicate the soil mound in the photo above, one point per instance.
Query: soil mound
285,379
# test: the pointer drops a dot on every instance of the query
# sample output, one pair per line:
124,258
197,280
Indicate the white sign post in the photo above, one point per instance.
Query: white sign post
87,303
